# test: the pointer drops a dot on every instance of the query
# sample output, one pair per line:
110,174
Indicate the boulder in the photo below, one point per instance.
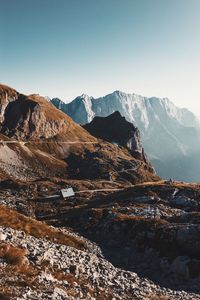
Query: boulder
182,202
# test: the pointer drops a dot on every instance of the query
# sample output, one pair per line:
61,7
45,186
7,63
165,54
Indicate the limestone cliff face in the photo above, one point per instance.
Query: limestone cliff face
135,145
7,95
116,129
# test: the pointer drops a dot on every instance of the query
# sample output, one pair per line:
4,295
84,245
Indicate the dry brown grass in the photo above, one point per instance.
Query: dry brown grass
141,219
17,221
174,184
62,276
158,297
13,255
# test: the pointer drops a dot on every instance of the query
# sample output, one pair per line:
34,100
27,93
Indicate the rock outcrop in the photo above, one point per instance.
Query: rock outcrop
116,129
7,95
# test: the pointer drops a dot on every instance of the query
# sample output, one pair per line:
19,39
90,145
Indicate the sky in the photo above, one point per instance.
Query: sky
63,48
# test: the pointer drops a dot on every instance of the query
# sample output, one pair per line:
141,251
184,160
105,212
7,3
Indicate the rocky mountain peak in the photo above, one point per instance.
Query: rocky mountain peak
116,129
29,118
33,117
118,93
85,96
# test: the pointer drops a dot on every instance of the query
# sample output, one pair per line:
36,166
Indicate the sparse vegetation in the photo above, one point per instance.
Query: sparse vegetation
13,219
13,255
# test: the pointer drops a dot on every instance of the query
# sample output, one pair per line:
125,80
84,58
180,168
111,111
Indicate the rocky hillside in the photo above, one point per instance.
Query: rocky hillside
147,239
170,135
39,140
151,229
123,235
40,268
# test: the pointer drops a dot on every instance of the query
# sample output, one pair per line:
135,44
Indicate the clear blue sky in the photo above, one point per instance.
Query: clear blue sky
68,47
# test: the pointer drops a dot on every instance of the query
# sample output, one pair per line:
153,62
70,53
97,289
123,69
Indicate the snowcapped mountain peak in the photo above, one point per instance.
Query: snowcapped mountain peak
118,93
85,106
85,97
124,95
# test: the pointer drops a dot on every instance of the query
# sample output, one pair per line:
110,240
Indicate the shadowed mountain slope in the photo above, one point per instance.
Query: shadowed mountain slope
116,129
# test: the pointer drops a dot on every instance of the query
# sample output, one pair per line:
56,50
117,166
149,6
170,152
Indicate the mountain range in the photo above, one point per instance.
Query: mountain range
170,135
